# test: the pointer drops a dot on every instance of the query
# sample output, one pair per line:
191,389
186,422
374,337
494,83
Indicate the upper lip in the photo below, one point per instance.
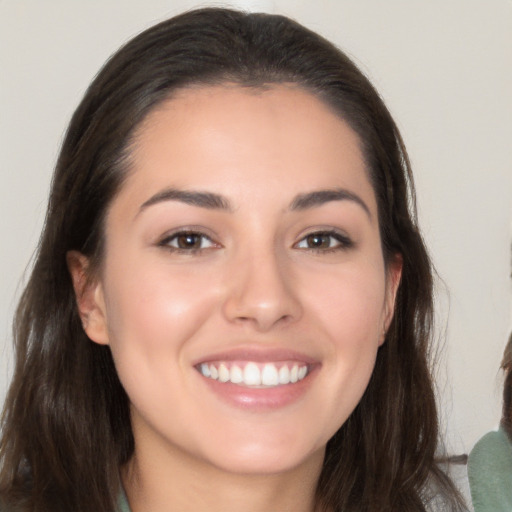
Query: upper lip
258,355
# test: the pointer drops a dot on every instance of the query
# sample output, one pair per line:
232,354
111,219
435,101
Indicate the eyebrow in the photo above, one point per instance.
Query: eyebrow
207,200
212,201
320,197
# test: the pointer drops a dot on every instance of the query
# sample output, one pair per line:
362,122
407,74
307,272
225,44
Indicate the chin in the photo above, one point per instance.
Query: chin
267,459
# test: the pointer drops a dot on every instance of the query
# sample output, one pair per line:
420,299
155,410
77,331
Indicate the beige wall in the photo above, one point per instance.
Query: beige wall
444,68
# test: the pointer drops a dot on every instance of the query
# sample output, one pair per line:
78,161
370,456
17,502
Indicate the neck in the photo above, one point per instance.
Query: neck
178,481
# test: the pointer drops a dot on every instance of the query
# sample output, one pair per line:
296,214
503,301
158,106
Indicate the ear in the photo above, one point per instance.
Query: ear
393,276
89,298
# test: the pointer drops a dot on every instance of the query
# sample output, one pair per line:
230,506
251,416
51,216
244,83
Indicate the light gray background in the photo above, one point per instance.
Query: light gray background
444,67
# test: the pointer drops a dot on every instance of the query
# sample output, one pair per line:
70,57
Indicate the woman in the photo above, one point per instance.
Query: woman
231,302
490,461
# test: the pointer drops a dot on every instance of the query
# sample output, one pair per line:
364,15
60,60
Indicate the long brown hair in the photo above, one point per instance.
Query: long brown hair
66,423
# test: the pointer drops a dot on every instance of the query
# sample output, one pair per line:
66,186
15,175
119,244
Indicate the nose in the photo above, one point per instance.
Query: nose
262,293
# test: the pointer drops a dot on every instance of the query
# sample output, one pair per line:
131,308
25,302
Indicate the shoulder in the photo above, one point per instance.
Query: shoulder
490,473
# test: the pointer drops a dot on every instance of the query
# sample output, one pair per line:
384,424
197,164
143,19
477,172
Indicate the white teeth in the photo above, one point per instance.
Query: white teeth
255,375
236,375
223,373
269,375
205,370
252,375
284,375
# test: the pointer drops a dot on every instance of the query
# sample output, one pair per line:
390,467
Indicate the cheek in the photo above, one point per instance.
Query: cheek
154,318
152,312
348,309
350,305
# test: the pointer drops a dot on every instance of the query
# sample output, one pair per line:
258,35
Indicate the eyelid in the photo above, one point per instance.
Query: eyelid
164,240
344,242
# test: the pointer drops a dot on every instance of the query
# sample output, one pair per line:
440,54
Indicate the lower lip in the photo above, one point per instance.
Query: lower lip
260,399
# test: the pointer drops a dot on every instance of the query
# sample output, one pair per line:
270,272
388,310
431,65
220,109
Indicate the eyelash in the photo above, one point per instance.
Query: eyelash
342,242
168,240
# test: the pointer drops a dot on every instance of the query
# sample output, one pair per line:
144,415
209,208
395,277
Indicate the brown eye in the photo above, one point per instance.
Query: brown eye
318,241
325,241
187,241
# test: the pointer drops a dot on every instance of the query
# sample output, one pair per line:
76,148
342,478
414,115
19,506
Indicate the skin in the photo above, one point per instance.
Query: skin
256,283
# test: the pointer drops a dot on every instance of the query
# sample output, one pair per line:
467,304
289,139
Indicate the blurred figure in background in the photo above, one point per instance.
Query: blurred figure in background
490,461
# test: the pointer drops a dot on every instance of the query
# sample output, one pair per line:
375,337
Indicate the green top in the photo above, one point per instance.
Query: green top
490,473
122,503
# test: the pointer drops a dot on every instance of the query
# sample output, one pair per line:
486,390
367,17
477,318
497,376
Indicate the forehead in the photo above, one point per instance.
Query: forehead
222,138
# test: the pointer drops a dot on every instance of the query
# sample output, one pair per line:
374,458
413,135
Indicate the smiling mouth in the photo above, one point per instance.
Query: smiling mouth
255,375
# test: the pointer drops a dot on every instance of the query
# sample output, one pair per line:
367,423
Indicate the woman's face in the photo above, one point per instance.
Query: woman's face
243,291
